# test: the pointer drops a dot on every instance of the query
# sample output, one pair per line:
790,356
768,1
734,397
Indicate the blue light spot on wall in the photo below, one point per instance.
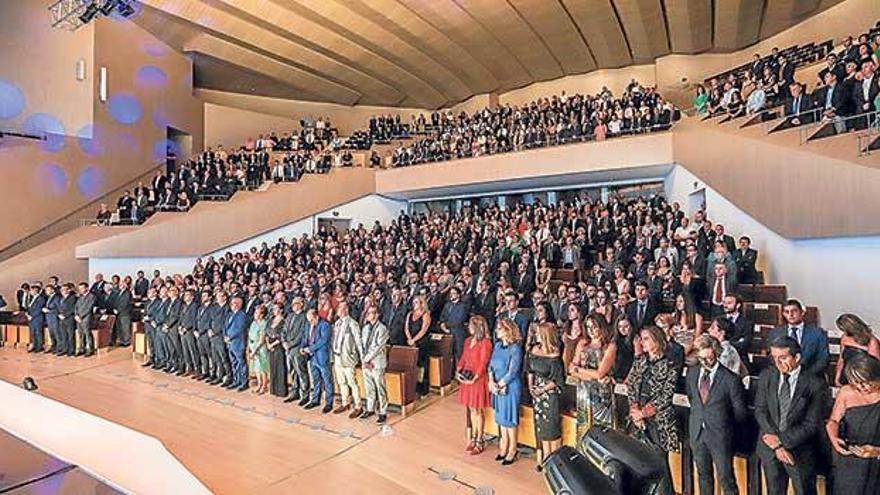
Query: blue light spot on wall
90,182
127,144
150,76
89,141
160,120
125,108
12,100
43,124
51,177
161,147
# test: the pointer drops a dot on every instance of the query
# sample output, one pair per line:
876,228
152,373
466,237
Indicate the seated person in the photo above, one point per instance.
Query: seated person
104,215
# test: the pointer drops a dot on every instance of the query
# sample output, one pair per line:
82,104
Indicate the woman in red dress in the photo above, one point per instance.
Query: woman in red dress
472,374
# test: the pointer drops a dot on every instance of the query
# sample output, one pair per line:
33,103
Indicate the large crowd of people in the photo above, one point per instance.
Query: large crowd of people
552,121
846,93
645,278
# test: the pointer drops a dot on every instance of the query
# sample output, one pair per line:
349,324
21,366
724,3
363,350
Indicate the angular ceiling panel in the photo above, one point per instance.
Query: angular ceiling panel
435,53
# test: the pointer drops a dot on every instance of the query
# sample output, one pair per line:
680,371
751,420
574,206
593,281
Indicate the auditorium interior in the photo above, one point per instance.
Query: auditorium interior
583,247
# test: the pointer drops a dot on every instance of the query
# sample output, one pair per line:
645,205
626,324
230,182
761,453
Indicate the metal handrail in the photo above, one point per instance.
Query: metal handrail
770,124
805,130
67,217
865,139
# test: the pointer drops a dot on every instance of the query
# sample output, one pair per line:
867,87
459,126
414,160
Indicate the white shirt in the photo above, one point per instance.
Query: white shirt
799,331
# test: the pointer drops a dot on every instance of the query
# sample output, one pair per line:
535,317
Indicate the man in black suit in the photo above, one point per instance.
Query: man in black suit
484,302
219,354
36,318
716,407
53,305
864,93
23,297
641,311
812,339
394,316
67,332
204,316
169,332
744,329
123,306
833,102
788,408
141,285
797,107
191,360
746,258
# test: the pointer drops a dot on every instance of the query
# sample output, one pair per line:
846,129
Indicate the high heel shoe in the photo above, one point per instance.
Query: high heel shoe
499,457
507,462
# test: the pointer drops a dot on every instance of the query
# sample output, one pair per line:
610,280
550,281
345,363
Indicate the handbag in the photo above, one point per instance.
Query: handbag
466,375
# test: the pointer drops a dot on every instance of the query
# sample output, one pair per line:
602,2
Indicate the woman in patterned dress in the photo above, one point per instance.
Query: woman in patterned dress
650,386
546,380
591,367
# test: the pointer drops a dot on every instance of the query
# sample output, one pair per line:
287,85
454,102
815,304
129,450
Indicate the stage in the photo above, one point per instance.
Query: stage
241,443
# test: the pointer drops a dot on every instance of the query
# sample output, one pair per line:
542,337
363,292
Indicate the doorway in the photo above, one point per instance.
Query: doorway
697,201
340,225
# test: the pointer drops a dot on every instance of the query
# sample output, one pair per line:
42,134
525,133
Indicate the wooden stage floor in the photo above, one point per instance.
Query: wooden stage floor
239,443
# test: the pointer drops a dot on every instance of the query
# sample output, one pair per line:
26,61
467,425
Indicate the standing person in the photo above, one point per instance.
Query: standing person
812,339
317,349
505,384
546,379
173,352
160,352
122,306
277,355
186,330
716,397
650,387
346,356
453,319
234,335
257,355
204,315
788,408
854,429
857,340
148,318
418,322
67,332
374,341
219,354
472,372
85,307
591,366
294,337
53,304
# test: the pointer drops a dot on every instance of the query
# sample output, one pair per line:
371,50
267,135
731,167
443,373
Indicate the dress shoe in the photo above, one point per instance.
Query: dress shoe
291,398
327,409
366,414
303,402
214,381
228,385
381,419
311,405
355,413
79,353
342,409
89,354
147,364
243,388
180,373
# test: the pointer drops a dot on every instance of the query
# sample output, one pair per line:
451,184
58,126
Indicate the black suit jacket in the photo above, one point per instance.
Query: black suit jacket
858,95
745,265
122,303
715,421
742,335
840,99
805,418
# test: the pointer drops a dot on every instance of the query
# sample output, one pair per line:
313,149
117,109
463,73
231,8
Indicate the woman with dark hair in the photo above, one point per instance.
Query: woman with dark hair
592,365
854,429
629,347
418,323
650,388
277,356
546,379
505,384
472,374
572,332
687,324
857,340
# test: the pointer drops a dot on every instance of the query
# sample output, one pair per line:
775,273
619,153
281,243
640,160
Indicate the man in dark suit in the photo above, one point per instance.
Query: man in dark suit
833,102
812,339
235,335
484,302
512,312
148,318
36,318
141,284
204,316
122,306
716,407
219,354
294,334
186,329
23,297
744,328
318,352
797,107
788,408
169,333
641,311
85,307
53,305
67,332
394,316
746,258
720,284
453,320
864,93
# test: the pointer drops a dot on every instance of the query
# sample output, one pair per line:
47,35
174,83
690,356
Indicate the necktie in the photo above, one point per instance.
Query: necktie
313,333
704,386
793,333
640,314
719,293
784,402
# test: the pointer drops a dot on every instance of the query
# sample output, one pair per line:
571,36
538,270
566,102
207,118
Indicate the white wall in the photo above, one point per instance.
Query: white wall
838,275
130,266
366,210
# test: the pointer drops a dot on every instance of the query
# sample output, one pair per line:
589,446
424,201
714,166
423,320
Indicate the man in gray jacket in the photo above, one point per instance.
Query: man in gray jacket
346,356
293,336
374,339
85,305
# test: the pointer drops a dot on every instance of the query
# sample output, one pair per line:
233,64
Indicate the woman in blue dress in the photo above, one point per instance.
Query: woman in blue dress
505,384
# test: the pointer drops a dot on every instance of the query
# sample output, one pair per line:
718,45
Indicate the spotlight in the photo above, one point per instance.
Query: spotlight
108,6
90,13
29,384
